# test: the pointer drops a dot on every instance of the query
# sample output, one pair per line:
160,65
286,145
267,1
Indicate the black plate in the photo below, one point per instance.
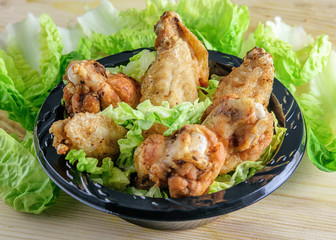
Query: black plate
172,213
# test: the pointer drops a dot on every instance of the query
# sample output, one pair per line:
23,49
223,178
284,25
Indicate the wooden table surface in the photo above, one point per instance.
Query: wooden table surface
304,207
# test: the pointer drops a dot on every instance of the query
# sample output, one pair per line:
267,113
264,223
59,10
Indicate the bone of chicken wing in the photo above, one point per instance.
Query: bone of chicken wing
188,161
243,126
181,64
253,78
95,134
90,88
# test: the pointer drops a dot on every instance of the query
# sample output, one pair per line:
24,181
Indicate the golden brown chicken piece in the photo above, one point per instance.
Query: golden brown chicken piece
95,134
126,88
181,64
188,161
90,88
243,126
238,114
253,78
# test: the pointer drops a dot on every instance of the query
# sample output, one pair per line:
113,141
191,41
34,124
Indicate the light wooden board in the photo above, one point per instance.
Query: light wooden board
304,207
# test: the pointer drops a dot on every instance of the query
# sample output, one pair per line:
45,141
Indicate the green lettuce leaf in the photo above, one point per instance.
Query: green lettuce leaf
22,34
99,45
154,192
51,48
116,179
318,107
102,171
146,19
70,38
11,100
104,19
8,68
23,47
23,183
108,31
241,173
36,47
32,62
295,63
220,22
88,164
138,65
249,168
17,108
84,48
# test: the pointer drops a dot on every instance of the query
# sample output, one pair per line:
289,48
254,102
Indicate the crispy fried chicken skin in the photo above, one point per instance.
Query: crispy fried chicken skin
238,114
253,78
243,126
90,88
187,162
95,134
181,64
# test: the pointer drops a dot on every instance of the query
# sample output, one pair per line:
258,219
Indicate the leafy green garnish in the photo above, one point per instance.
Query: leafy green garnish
102,172
23,183
138,65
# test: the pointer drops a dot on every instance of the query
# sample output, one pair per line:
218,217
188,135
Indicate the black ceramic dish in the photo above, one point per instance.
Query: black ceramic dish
169,213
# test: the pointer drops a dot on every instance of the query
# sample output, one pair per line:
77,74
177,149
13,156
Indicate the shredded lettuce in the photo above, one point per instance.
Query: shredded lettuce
249,168
138,65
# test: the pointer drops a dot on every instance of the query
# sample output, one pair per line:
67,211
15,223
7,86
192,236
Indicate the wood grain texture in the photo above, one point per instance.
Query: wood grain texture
304,207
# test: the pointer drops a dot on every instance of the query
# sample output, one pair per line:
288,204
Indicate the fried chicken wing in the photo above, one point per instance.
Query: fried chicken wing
238,114
253,78
187,162
95,134
90,88
181,64
243,126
